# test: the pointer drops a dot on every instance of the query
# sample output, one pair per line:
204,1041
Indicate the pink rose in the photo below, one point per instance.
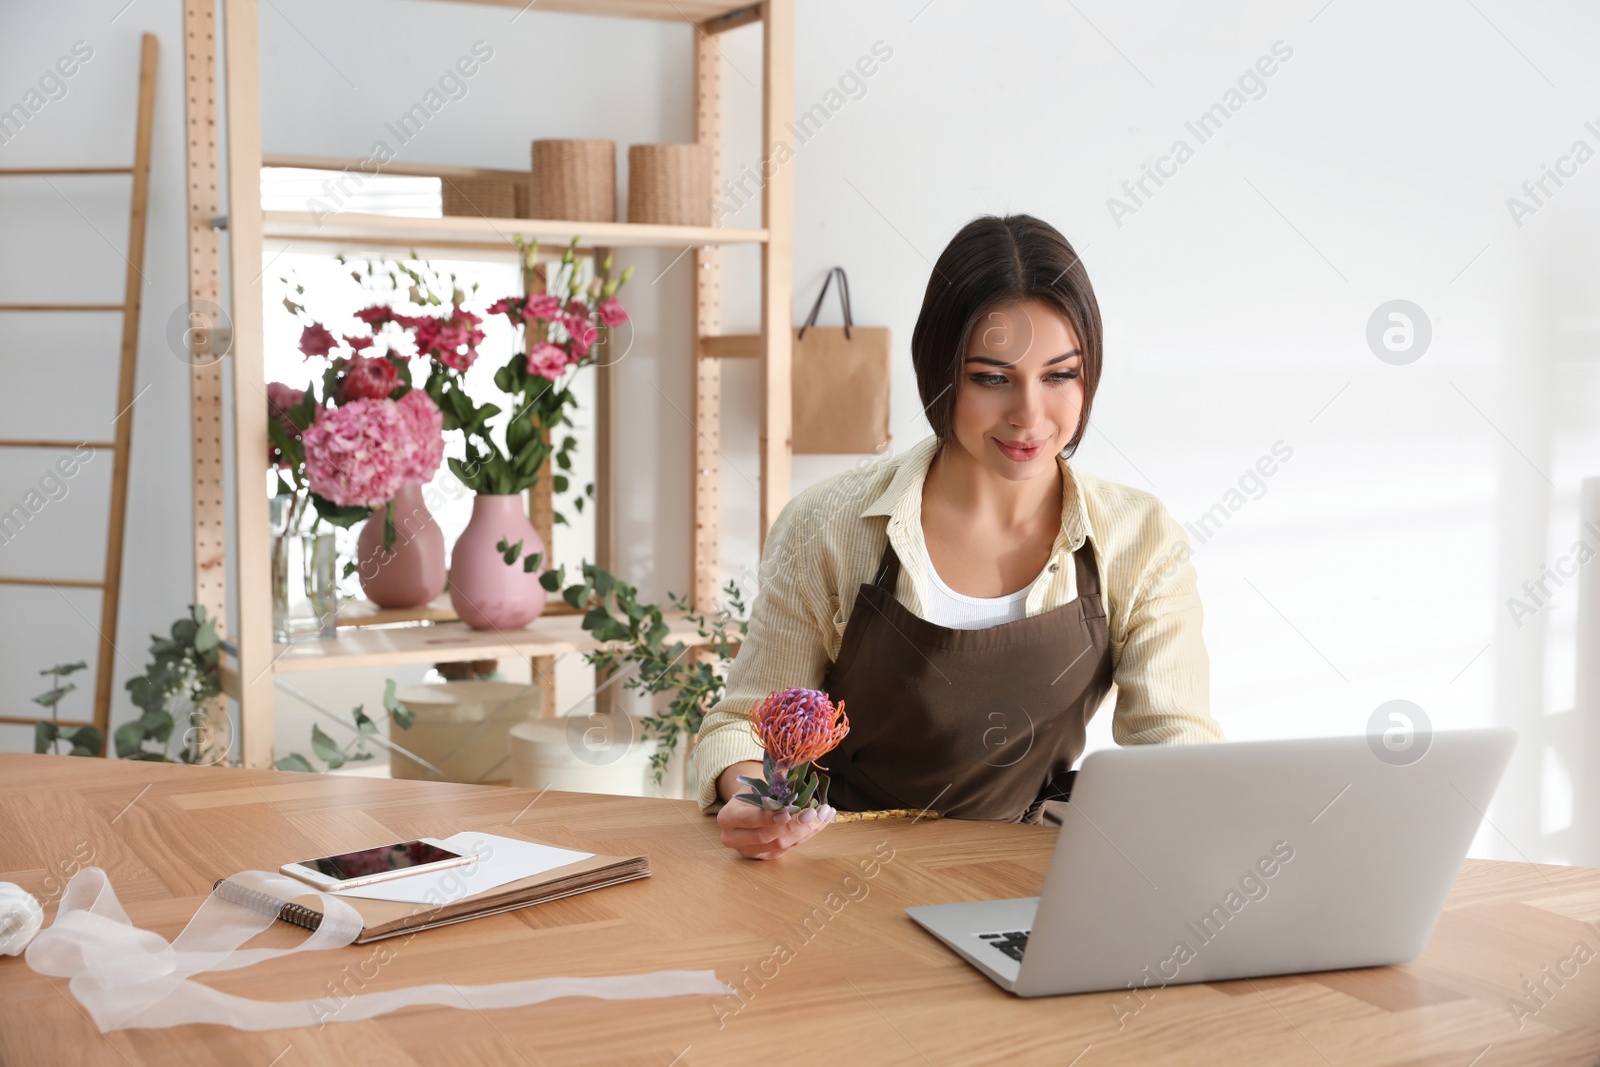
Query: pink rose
358,344
547,360
376,315
315,340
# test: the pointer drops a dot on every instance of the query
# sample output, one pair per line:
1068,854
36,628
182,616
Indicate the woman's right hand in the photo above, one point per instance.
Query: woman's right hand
755,832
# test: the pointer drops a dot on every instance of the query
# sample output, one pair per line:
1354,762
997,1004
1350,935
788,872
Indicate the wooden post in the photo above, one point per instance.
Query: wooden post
705,413
240,28
206,338
777,215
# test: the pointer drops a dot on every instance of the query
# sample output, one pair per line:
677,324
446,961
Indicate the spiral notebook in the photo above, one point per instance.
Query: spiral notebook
389,918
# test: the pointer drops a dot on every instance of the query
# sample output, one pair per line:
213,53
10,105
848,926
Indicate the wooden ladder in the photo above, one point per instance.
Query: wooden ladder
111,580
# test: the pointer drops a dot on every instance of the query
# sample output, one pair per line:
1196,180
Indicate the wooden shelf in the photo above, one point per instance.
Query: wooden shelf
481,238
361,612
370,646
662,10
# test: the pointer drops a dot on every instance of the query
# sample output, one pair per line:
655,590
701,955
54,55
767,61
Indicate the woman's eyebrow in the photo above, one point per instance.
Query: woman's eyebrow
1003,363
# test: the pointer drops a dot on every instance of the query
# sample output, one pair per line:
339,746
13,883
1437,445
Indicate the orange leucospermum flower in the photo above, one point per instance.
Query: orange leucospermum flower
798,726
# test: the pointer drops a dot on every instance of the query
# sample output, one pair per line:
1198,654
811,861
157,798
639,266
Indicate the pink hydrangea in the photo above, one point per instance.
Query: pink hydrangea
547,360
360,454
426,424
355,455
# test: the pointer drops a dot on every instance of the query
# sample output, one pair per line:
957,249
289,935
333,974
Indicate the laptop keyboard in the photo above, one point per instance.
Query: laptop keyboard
1010,942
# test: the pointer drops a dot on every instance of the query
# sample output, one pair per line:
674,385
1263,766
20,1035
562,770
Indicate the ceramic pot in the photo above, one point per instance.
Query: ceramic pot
412,573
486,591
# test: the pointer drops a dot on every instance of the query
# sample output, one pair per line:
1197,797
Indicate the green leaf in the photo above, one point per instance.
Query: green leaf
324,748
338,514
531,563
295,762
511,552
65,668
86,740
364,723
128,738
398,712
44,735
551,580
53,697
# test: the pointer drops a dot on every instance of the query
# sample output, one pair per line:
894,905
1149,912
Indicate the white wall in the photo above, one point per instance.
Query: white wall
1375,164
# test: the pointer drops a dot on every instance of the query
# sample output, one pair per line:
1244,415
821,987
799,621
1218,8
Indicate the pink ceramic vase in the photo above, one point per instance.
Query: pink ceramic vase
487,592
412,572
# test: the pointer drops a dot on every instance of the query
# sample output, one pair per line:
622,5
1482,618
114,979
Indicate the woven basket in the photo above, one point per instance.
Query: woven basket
574,180
490,197
670,184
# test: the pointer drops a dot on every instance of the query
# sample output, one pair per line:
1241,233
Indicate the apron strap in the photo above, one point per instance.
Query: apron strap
1088,573
888,567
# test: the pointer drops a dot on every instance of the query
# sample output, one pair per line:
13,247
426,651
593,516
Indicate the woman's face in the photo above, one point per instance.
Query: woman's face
1020,385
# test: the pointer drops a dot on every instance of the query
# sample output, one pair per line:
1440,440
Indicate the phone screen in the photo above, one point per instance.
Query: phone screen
396,857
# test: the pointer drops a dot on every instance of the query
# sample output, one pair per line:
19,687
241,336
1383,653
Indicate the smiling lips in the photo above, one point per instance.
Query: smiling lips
1021,451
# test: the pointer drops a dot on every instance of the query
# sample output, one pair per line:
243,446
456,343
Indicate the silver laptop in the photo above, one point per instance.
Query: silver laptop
1198,863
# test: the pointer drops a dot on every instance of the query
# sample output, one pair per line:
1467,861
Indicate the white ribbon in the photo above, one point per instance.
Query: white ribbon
126,977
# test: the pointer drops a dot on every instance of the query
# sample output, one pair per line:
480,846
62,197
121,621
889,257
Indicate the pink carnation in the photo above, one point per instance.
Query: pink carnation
541,306
547,360
611,312
583,335
316,340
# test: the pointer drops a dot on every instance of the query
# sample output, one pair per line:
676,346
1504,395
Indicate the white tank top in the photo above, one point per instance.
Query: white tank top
946,607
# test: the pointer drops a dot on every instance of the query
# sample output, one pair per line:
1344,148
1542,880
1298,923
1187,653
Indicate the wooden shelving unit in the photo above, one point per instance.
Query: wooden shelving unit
253,658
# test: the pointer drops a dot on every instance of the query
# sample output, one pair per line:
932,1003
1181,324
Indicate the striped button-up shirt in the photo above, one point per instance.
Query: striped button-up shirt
828,539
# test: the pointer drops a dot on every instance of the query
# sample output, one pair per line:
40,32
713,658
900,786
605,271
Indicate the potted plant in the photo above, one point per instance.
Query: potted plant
369,442
496,564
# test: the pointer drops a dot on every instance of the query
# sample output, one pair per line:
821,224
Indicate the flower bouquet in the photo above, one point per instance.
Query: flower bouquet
346,453
560,329
796,727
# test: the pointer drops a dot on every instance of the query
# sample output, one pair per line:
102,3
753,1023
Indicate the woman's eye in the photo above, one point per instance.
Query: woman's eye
1000,379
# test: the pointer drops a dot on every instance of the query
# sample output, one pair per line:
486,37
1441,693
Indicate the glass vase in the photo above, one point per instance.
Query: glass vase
305,596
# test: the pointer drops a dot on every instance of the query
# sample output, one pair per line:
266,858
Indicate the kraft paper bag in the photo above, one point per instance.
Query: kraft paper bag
840,382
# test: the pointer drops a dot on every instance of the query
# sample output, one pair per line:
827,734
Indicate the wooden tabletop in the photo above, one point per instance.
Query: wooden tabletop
829,967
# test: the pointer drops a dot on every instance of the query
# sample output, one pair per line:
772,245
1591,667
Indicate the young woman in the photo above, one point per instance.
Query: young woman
971,600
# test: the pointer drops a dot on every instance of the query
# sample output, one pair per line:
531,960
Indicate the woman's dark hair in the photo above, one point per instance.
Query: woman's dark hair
993,262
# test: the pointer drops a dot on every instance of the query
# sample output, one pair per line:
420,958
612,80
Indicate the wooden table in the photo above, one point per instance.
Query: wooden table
831,970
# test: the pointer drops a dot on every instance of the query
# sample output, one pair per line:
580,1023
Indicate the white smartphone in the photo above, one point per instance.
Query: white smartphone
347,870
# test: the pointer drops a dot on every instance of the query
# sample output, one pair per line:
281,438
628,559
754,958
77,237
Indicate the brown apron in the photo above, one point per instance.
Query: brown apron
975,724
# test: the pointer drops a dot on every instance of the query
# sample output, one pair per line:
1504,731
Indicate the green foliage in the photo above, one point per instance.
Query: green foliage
181,678
80,740
635,633
334,755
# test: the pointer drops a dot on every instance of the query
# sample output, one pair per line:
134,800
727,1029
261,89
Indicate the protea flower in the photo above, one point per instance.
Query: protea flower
796,727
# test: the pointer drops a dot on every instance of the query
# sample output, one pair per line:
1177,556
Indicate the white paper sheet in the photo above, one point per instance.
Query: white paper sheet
501,860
